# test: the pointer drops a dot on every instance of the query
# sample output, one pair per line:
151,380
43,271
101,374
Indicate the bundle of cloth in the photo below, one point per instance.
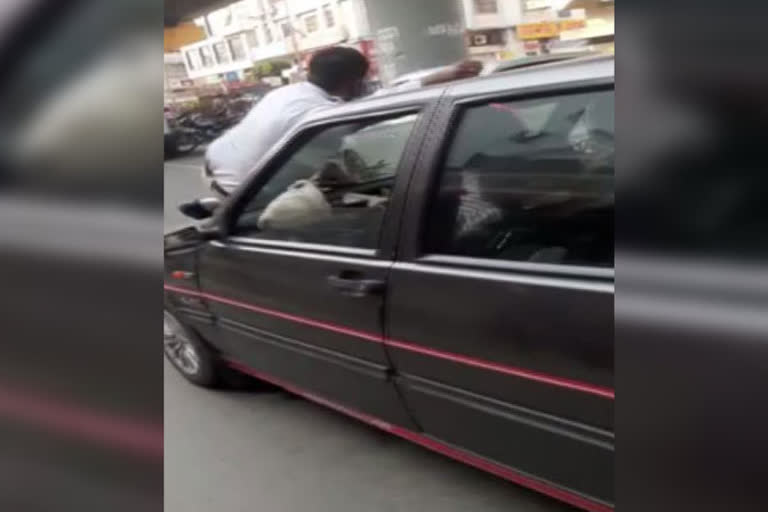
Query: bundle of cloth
306,201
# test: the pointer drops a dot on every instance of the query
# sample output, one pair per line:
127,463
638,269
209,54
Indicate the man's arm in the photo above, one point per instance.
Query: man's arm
463,69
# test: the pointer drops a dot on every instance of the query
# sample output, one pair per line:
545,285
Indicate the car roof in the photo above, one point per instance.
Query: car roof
505,65
559,72
555,73
414,75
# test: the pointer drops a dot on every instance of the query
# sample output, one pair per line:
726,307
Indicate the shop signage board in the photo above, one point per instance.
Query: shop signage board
542,30
548,29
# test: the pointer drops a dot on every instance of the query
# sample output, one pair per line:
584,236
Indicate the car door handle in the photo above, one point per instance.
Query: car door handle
356,287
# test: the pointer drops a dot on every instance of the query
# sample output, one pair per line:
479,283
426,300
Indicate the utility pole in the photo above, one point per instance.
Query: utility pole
292,30
208,30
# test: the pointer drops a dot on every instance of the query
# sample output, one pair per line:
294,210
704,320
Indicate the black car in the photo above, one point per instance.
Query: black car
435,263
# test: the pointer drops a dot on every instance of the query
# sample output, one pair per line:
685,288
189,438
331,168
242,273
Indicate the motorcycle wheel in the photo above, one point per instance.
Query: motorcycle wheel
186,143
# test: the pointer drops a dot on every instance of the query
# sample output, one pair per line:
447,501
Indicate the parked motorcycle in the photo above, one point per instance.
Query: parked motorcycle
191,129
186,131
207,128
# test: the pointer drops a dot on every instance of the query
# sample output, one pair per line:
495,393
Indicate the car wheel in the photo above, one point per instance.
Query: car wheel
196,361
191,357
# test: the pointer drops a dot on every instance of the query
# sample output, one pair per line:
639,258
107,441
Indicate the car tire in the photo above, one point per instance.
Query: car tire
187,352
196,361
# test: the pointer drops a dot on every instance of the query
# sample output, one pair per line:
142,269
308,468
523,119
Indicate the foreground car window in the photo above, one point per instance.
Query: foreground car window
334,189
529,181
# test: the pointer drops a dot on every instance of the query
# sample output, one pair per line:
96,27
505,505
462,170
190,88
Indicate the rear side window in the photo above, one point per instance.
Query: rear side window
529,181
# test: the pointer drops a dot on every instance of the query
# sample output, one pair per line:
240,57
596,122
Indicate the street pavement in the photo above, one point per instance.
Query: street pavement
266,451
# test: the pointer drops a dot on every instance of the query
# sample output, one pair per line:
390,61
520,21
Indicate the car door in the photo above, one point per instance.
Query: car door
500,307
297,283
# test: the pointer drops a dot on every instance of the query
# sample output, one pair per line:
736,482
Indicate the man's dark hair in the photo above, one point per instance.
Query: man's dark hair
334,67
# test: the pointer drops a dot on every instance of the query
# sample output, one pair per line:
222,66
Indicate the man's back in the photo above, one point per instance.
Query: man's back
237,151
335,74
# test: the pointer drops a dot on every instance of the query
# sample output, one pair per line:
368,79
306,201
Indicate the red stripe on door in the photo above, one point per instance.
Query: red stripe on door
522,373
507,370
278,314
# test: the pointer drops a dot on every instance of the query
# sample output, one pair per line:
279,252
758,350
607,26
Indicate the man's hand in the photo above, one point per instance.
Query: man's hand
463,69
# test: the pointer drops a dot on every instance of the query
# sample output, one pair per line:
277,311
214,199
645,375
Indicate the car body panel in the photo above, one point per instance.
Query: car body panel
276,314
507,364
510,335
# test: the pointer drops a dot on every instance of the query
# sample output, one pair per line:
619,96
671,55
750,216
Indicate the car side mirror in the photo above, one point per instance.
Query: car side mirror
200,208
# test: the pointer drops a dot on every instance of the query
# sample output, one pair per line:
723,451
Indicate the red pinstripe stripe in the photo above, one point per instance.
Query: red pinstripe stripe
278,314
522,373
427,442
508,370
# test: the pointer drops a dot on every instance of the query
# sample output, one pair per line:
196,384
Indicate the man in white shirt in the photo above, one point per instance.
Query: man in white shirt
335,74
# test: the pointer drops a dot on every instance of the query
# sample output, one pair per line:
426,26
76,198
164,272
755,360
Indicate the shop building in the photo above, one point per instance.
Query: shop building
597,31
490,28
508,29
251,32
178,87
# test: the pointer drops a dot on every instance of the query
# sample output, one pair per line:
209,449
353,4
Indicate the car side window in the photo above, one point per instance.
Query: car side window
334,189
529,181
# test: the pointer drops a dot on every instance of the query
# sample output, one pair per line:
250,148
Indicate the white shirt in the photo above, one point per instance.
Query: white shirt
235,154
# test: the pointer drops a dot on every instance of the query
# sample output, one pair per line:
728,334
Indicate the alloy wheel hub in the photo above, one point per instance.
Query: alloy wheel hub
178,347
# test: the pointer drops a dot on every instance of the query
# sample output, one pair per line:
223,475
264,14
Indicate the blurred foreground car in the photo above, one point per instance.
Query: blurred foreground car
437,264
